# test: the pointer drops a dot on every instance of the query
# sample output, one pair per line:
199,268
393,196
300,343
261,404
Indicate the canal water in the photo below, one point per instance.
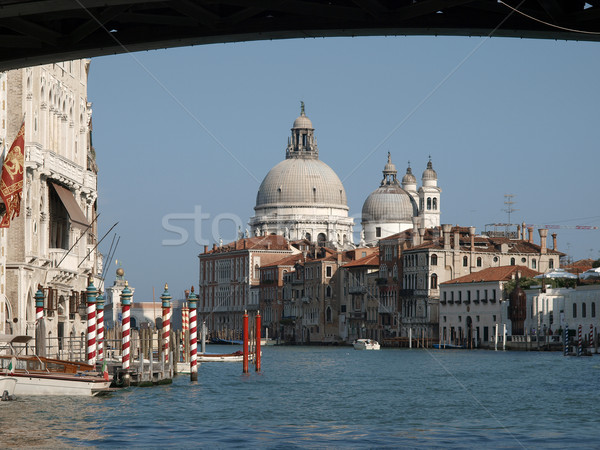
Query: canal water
336,397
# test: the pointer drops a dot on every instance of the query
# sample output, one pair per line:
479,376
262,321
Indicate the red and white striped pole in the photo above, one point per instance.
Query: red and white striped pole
257,347
579,344
166,323
91,323
126,295
193,337
185,317
100,326
39,304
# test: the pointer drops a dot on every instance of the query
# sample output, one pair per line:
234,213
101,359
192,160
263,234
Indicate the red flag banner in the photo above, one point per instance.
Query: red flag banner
11,183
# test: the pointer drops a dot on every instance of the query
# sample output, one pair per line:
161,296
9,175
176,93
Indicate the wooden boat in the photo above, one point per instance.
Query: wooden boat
37,375
449,346
366,344
224,357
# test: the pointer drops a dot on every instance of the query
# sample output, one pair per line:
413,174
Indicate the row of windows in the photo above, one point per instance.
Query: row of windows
584,310
477,295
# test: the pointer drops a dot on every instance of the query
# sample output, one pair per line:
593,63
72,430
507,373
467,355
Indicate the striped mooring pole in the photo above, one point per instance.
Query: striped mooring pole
39,304
192,303
591,343
91,323
566,340
126,295
166,323
100,326
579,342
185,315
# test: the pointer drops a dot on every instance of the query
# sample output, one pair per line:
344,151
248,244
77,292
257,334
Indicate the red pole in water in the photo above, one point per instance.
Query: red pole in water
257,352
245,346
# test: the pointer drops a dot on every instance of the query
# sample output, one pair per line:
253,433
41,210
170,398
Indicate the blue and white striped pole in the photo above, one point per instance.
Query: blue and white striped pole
566,340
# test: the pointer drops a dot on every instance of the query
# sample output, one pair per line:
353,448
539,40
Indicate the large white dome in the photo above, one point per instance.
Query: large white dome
302,197
301,182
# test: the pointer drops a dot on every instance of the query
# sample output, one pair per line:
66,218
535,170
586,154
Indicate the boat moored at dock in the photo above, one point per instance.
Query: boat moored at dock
366,344
37,375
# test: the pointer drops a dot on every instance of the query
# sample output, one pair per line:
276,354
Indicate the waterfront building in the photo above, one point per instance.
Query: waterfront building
391,208
414,263
229,279
302,197
52,242
271,293
359,308
472,305
551,309
312,296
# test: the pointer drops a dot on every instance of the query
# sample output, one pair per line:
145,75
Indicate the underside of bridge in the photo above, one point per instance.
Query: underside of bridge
43,31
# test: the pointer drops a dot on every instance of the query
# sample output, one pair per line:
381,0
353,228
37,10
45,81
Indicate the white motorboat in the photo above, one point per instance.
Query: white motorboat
7,388
37,375
366,344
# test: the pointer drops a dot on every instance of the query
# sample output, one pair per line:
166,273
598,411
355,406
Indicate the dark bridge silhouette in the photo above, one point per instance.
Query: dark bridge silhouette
42,31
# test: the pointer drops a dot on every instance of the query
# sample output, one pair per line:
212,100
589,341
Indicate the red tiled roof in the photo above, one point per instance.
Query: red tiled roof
287,261
370,260
270,242
502,273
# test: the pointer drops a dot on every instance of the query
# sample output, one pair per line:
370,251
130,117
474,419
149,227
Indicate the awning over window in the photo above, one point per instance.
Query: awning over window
68,200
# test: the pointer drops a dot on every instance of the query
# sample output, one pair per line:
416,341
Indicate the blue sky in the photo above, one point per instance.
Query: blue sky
197,128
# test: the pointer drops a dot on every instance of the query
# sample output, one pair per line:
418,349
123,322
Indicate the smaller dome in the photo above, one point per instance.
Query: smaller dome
120,272
302,121
409,178
390,167
429,173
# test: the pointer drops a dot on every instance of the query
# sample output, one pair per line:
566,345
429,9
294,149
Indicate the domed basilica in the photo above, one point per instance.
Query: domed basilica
302,197
392,208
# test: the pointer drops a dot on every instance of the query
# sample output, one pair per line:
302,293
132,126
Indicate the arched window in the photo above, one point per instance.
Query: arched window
328,291
321,238
479,261
428,203
465,261
435,206
434,281
574,310
551,264
583,310
328,314
512,261
434,260
593,309
533,264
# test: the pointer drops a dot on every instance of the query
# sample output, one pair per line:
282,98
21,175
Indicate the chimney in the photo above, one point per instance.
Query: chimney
554,241
543,235
205,248
523,231
472,235
456,238
421,234
339,258
446,232
244,245
530,235
214,246
268,245
518,231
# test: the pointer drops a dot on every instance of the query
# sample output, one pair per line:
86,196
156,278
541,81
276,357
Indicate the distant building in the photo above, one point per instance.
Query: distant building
359,308
229,279
472,305
52,243
552,309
